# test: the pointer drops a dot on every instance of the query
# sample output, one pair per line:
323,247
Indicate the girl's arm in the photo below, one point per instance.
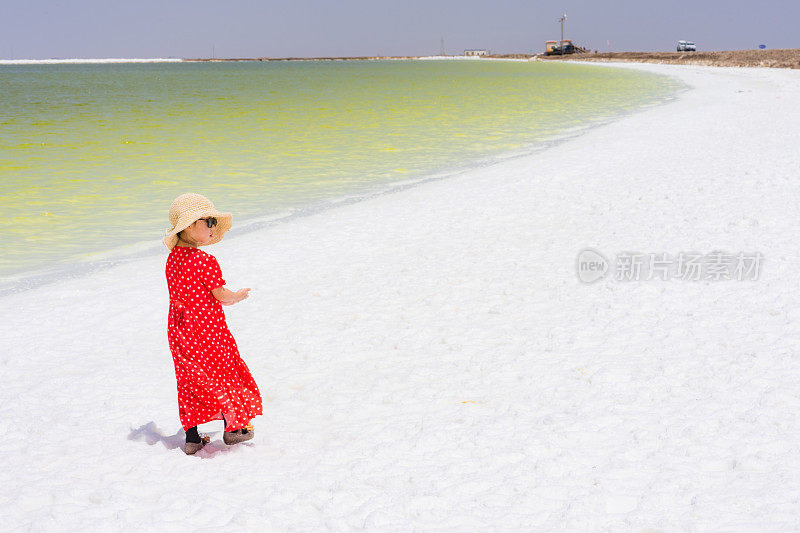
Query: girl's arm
227,297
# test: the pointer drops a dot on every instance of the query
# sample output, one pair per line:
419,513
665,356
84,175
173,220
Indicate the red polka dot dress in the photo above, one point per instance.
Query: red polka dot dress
213,381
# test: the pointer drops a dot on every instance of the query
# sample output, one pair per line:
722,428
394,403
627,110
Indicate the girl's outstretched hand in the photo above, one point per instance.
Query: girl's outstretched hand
242,294
227,297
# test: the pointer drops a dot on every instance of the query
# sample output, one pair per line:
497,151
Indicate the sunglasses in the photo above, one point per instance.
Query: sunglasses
210,221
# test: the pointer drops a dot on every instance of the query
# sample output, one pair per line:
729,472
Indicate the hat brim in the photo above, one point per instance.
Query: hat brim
224,223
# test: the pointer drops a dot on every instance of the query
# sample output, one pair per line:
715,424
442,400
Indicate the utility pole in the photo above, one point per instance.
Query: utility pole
213,56
443,53
561,43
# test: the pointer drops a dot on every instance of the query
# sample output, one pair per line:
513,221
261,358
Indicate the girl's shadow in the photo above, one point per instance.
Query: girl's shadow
151,434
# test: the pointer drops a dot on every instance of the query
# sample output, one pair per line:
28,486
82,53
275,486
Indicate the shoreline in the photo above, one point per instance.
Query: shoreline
88,263
83,266
773,58
421,351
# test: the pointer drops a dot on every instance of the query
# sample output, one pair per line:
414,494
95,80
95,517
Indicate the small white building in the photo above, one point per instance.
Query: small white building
476,52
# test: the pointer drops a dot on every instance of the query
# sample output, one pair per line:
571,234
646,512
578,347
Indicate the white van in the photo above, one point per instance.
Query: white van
686,46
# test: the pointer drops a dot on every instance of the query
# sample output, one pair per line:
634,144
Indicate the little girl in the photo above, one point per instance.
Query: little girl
213,381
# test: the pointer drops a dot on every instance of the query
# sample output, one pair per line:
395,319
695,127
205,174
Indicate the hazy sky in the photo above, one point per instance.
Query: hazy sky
36,29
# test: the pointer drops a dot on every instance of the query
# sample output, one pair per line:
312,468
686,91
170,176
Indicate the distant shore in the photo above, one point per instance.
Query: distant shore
343,58
780,58
785,58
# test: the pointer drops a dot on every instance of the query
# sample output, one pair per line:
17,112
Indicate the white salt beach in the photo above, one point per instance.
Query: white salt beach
429,359
55,61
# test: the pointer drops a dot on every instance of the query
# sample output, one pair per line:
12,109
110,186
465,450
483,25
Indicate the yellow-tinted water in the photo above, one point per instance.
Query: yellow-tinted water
91,156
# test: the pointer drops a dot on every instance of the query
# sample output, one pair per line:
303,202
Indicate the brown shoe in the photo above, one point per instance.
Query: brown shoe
239,435
192,448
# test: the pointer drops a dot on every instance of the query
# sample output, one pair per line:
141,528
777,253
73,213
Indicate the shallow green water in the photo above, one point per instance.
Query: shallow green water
91,156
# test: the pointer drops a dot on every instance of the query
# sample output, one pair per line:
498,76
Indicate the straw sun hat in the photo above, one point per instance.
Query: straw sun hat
187,208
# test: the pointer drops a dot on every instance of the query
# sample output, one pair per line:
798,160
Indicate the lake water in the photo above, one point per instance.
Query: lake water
92,155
